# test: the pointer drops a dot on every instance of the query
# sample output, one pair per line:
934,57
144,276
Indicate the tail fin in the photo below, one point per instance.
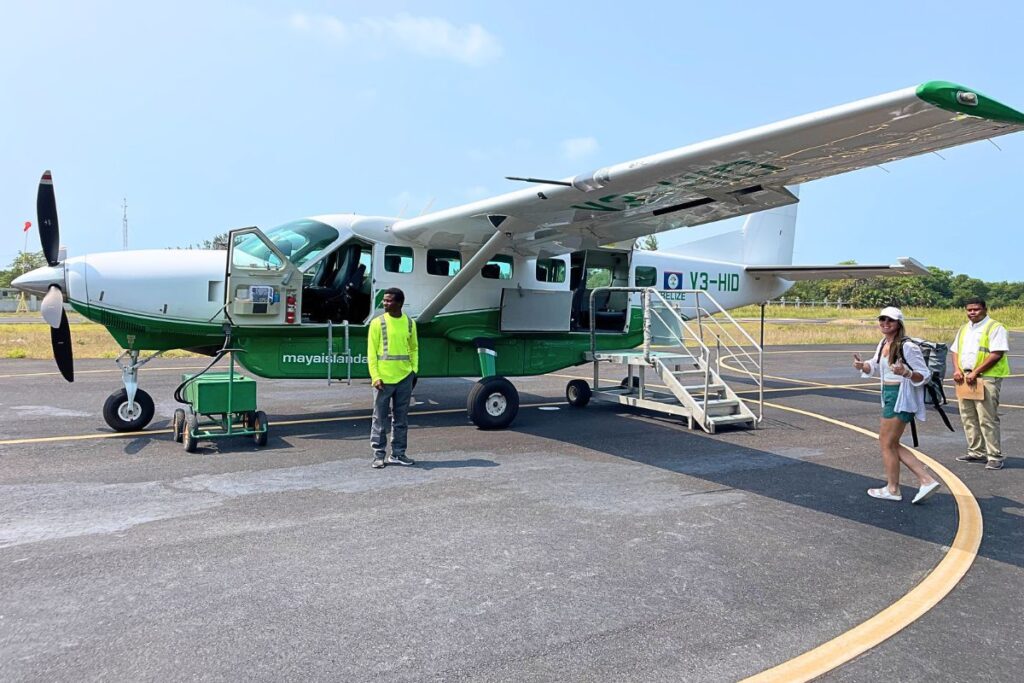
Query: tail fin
768,235
766,238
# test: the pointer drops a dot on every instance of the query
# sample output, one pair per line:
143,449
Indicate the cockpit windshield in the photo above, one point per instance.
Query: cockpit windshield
301,241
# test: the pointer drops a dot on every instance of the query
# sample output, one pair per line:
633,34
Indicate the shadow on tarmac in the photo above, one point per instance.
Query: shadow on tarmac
667,444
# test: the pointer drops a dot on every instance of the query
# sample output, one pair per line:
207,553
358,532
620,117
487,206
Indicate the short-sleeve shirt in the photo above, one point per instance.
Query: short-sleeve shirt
998,340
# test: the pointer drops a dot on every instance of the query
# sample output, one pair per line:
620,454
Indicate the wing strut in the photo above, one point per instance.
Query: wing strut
492,246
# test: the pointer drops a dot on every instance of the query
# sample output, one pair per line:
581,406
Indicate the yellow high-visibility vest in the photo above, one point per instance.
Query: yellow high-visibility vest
392,348
1001,368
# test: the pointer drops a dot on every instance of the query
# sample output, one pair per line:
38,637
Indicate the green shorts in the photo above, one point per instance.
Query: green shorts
889,394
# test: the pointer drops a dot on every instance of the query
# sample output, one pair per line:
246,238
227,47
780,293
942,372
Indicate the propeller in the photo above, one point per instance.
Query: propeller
46,212
52,307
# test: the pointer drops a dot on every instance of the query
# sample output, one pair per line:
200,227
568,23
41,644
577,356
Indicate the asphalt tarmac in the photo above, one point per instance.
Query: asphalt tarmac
581,544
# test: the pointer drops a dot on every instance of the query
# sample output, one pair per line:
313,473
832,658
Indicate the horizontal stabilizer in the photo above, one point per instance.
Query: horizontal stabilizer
904,266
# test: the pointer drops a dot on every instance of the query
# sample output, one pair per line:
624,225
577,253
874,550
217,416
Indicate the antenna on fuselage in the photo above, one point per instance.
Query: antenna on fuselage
124,223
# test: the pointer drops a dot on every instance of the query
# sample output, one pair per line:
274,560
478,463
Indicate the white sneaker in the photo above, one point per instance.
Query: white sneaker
884,494
925,491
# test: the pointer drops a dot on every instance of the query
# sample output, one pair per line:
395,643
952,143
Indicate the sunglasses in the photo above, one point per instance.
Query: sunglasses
886,319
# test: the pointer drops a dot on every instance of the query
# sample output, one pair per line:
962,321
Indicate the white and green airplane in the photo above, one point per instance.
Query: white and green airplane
498,287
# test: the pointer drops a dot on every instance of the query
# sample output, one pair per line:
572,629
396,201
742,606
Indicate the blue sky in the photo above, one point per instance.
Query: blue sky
209,116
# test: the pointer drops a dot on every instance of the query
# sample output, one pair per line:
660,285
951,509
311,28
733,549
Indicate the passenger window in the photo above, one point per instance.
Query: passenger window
444,262
398,259
646,276
498,268
550,270
599,276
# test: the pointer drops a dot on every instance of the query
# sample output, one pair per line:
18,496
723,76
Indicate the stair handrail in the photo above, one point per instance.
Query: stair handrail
646,293
649,293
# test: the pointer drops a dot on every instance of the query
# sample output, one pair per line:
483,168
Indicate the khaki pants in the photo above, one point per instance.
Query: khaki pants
981,422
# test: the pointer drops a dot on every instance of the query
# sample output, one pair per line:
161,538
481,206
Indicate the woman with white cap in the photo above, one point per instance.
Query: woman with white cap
902,373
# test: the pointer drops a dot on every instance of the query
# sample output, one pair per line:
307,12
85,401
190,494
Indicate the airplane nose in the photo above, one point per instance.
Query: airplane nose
40,280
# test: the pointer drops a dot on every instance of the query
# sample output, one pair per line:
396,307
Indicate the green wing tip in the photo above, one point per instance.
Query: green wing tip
963,100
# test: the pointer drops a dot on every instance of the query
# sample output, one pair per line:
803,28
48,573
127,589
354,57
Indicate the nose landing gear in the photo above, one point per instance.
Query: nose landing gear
129,409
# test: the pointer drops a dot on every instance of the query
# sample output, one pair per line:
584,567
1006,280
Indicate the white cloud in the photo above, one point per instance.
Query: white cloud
575,149
427,36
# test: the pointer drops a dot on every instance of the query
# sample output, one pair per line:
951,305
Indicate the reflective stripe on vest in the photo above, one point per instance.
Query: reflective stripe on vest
384,340
1002,366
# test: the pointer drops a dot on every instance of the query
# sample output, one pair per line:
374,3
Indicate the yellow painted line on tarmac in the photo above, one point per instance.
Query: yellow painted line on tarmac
827,656
108,370
912,606
312,420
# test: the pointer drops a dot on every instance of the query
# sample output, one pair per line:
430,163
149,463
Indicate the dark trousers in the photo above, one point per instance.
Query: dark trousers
391,414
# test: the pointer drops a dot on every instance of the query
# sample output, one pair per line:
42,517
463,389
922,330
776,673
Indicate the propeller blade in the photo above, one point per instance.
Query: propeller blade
46,212
52,306
60,339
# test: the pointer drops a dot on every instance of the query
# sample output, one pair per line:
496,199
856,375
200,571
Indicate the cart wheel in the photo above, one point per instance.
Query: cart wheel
178,424
249,419
260,423
633,385
577,393
188,436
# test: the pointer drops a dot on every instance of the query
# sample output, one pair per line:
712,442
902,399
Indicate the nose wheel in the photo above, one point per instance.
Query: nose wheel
123,416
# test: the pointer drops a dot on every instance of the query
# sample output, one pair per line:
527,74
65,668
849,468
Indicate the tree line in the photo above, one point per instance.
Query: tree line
939,289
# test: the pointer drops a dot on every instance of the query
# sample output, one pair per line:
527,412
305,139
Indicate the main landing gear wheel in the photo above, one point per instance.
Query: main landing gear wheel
632,382
493,403
124,418
578,393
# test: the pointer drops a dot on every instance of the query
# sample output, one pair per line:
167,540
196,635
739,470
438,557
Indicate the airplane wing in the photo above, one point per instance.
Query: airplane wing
903,266
721,178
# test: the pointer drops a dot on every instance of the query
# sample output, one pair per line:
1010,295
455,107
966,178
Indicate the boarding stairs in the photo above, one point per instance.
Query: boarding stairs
686,344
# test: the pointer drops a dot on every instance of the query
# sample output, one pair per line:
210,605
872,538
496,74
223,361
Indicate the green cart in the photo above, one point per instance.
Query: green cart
220,404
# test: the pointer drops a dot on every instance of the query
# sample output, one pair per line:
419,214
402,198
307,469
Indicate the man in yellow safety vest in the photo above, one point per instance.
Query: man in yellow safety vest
393,357
979,350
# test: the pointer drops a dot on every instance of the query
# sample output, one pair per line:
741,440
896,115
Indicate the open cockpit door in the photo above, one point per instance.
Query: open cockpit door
263,286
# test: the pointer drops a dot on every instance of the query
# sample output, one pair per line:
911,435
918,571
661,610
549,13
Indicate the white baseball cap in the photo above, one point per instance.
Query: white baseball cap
891,312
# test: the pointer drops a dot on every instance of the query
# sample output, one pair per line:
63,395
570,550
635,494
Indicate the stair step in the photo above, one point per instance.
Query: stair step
730,419
722,402
699,388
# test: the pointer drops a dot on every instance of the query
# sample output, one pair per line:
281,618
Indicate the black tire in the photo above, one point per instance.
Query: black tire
116,405
260,422
626,382
578,393
493,403
178,424
187,437
249,419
